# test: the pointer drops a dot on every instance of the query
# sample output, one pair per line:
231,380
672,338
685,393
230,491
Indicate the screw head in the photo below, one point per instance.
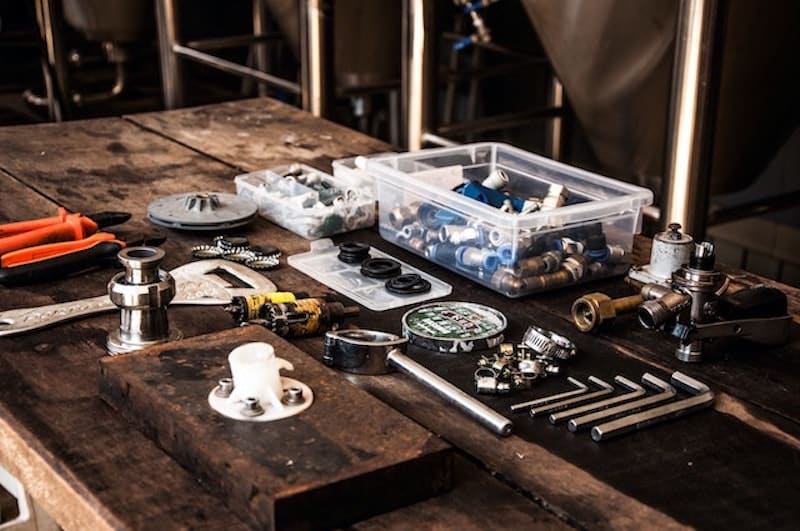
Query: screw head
224,387
293,395
252,407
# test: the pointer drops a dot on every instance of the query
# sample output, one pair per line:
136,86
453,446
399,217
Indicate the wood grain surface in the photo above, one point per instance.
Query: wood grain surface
347,457
740,459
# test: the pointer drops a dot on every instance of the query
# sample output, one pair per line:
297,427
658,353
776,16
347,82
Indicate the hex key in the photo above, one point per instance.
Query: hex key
581,388
666,391
636,391
605,389
703,398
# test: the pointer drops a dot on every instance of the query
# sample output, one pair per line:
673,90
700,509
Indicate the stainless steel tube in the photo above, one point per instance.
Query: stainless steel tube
467,404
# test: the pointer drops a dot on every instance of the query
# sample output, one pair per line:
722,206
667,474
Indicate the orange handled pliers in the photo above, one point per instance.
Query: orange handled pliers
59,228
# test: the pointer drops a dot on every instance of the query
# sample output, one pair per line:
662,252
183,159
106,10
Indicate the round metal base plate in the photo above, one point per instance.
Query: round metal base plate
233,408
203,211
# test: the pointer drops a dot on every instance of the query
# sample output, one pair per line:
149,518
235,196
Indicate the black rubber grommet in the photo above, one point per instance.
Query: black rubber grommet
380,268
408,284
353,252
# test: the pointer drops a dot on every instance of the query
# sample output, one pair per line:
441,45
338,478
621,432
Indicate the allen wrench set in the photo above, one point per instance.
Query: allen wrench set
617,415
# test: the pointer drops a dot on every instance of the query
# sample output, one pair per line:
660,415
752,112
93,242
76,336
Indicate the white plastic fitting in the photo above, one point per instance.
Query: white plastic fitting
256,375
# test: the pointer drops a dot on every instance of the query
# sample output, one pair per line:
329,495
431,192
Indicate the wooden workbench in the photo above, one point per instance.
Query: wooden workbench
735,465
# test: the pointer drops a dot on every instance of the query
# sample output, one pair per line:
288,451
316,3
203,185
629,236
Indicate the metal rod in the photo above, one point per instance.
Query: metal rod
259,48
581,388
171,75
636,391
555,99
234,68
703,398
500,121
494,47
233,41
686,176
53,63
430,138
606,389
312,49
666,392
754,208
416,68
472,407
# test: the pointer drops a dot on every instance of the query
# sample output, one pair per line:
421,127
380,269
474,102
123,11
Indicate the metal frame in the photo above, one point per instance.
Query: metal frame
311,89
419,88
688,158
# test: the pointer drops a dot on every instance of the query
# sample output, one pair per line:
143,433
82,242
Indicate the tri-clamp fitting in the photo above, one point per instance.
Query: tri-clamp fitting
142,293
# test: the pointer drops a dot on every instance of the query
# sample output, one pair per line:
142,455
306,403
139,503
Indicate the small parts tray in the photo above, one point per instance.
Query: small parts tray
309,202
322,263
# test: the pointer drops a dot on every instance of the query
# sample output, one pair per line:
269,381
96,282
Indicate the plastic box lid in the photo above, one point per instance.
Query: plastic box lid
592,196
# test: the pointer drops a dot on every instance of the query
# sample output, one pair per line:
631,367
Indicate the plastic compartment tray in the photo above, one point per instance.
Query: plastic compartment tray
304,210
322,264
418,211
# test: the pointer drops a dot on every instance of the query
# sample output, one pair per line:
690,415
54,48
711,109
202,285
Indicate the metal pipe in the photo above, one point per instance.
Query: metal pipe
312,50
555,99
260,57
500,121
220,43
53,63
234,68
171,75
430,138
417,15
686,177
469,405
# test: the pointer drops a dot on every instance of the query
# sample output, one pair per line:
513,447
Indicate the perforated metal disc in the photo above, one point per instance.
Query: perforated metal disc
202,211
450,326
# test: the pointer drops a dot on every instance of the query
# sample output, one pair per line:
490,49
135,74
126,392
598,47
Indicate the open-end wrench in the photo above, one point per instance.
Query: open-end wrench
635,389
195,283
605,389
703,398
581,388
665,392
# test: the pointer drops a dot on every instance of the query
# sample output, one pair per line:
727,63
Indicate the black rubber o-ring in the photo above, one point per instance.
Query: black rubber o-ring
380,268
408,284
353,252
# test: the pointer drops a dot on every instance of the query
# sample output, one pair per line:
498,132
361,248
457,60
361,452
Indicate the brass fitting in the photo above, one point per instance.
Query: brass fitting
592,311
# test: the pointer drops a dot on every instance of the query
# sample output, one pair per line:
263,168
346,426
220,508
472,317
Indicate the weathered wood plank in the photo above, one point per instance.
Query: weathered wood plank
479,502
259,133
348,456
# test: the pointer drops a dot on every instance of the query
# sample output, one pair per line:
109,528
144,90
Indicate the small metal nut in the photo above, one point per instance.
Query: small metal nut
293,396
252,407
224,387
593,310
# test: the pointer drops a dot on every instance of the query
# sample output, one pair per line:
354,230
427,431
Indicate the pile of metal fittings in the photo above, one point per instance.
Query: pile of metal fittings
238,249
513,368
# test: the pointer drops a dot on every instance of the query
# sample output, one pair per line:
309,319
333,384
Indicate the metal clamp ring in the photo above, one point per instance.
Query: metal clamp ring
548,343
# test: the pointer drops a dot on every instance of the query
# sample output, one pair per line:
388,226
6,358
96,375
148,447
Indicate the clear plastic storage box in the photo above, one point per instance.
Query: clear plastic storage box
514,251
309,202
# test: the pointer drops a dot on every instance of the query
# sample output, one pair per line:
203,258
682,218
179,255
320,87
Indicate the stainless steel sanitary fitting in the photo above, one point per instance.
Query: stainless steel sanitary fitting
142,293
